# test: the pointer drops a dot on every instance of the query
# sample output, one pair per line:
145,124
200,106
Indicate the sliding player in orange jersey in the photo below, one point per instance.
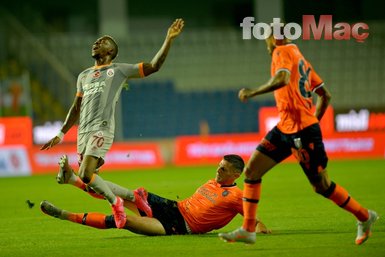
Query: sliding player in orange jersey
293,81
212,206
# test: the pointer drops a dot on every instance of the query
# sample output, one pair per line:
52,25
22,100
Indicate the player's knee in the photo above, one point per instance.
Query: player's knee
100,163
85,177
318,189
247,171
250,173
325,191
320,181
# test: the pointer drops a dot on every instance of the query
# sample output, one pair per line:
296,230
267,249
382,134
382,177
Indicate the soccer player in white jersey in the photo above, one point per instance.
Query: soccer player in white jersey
98,89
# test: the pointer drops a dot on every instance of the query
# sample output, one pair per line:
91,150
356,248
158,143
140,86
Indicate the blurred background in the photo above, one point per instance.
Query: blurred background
45,45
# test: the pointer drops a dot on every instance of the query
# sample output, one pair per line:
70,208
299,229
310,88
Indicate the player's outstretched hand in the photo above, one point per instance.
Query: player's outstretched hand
175,29
244,94
50,143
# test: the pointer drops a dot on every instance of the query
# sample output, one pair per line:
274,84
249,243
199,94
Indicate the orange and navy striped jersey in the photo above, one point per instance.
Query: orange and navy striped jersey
294,100
212,206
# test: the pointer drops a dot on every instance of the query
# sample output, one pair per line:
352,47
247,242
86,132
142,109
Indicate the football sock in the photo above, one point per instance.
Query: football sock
116,189
91,219
92,193
341,197
76,181
251,193
121,191
100,187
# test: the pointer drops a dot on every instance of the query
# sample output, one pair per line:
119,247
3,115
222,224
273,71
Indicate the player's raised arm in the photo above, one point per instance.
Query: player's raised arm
72,117
174,30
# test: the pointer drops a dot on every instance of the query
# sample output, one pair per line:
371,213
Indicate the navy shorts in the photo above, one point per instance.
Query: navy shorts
167,212
306,145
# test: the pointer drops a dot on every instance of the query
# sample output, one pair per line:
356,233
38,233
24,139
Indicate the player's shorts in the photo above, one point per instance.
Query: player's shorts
306,145
168,214
95,143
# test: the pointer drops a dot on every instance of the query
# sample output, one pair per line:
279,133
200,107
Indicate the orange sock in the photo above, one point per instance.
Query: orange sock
91,219
79,183
251,193
342,198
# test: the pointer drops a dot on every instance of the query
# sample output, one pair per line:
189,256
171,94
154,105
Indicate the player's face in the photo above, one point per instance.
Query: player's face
101,48
226,174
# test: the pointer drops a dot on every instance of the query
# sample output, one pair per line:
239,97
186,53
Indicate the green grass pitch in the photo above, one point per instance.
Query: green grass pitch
303,223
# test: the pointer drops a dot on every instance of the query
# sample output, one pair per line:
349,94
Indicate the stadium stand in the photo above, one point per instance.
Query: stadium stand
201,77
153,109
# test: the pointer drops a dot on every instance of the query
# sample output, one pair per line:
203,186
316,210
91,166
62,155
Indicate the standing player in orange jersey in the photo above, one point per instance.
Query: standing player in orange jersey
98,90
212,206
293,80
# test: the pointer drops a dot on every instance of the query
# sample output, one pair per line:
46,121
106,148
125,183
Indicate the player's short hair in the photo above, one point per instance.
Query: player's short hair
114,45
236,161
281,30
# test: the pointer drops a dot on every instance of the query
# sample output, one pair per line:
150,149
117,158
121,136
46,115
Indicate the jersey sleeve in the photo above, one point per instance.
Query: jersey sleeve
282,61
79,85
132,70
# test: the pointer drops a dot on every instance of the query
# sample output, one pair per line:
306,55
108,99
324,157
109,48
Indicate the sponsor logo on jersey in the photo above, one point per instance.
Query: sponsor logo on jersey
93,88
96,74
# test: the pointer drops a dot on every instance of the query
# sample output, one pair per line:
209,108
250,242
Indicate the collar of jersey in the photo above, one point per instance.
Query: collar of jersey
96,67
232,185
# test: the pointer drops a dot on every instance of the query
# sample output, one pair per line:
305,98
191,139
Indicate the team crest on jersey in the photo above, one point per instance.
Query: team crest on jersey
225,193
96,74
110,72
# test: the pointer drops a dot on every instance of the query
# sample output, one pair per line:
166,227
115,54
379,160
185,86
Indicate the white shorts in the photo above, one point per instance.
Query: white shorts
95,143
